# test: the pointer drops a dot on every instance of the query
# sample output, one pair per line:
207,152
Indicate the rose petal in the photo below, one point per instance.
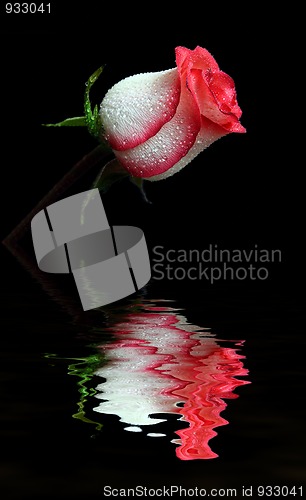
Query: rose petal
137,107
208,134
216,99
198,58
169,145
223,88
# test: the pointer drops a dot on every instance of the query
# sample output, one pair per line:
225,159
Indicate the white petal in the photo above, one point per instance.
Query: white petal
134,109
204,139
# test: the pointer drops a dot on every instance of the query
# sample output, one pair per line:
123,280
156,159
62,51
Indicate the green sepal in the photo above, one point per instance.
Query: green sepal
77,121
113,172
138,181
110,173
92,118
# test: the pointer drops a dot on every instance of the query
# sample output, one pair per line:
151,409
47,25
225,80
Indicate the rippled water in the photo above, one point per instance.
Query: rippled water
196,389
158,364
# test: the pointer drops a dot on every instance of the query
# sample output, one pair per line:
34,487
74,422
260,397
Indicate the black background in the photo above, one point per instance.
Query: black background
245,189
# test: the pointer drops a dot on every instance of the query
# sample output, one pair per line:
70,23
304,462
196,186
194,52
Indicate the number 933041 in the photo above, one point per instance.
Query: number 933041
28,8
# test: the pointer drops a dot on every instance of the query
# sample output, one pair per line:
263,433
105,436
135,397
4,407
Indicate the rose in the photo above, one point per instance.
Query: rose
156,123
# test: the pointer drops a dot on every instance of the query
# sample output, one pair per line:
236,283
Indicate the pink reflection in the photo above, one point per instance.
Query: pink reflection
161,364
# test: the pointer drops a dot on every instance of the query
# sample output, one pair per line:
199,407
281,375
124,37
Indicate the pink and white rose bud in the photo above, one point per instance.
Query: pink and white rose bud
156,123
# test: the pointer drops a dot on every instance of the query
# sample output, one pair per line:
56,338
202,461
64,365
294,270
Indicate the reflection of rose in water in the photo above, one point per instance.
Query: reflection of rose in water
161,364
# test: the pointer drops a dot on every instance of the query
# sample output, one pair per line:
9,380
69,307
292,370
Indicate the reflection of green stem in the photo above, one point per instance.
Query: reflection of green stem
84,368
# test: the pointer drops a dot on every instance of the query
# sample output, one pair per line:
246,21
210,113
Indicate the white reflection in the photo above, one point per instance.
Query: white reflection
138,381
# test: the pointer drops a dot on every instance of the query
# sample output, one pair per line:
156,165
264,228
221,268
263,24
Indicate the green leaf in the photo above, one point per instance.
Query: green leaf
77,121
